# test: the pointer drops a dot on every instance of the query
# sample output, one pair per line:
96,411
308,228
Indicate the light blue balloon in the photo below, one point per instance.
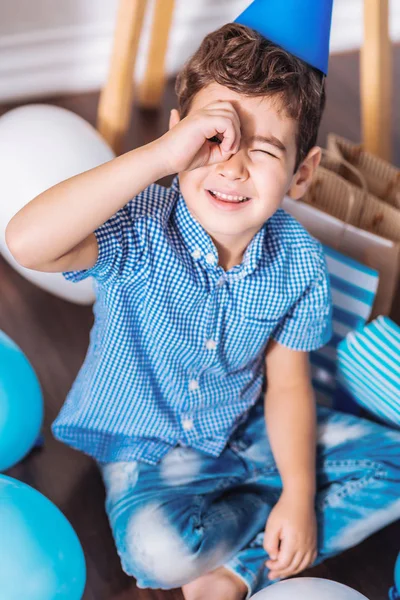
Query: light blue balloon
395,591
21,404
40,554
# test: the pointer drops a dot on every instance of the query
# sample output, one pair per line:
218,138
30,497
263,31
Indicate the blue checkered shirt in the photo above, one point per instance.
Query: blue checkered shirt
177,347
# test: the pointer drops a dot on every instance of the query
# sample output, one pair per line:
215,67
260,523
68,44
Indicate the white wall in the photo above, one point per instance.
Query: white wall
58,46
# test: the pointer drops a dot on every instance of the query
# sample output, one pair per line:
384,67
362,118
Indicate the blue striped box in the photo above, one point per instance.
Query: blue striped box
354,287
369,369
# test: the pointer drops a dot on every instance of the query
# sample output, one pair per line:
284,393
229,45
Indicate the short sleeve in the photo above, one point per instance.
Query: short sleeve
308,324
119,249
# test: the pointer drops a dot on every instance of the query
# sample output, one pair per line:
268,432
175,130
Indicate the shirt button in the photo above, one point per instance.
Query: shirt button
193,385
196,254
210,258
187,424
221,281
211,344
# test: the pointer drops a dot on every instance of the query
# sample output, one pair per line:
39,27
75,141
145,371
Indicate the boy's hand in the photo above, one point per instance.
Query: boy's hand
290,536
206,136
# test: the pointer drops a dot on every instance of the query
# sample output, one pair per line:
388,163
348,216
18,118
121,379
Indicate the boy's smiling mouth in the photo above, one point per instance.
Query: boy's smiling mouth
229,198
227,202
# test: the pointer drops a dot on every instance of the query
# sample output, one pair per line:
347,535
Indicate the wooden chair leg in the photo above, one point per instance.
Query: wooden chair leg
376,80
114,110
151,88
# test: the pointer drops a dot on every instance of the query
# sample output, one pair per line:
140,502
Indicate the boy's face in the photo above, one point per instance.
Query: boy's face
261,170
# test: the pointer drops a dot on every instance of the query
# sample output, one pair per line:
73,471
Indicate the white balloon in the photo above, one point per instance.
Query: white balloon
41,145
308,588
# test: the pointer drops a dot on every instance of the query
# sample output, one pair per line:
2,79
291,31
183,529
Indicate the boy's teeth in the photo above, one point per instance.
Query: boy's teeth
227,197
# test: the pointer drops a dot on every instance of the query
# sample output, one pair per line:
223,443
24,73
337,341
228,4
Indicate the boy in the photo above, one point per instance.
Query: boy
199,287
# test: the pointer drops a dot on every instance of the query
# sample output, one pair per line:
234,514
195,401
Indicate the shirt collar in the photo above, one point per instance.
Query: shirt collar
201,246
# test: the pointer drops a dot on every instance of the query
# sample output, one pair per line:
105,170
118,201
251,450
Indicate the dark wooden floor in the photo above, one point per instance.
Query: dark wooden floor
54,335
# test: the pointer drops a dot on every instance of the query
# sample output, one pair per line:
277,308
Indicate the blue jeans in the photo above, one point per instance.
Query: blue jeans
192,513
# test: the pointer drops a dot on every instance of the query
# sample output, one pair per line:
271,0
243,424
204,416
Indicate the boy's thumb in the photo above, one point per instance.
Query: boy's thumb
173,118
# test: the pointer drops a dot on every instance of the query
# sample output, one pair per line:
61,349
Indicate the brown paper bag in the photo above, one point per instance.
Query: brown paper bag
382,178
332,210
344,186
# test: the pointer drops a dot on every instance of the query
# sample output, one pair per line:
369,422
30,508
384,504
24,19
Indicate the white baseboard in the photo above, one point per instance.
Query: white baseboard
75,59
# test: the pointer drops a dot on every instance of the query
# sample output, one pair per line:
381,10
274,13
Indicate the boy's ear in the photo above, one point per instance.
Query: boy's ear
173,118
304,174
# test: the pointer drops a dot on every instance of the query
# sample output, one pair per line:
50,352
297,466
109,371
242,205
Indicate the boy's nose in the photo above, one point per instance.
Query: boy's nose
234,167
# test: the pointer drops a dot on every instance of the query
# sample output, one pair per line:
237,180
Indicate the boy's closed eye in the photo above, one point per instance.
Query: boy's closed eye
264,152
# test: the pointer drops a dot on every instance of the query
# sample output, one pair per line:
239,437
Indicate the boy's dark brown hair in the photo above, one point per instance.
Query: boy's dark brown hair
246,62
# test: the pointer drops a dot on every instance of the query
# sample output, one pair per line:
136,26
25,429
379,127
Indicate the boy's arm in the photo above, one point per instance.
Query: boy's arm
54,232
290,537
291,532
291,418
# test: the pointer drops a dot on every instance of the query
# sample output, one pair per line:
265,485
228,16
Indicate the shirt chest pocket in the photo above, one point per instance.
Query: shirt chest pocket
249,337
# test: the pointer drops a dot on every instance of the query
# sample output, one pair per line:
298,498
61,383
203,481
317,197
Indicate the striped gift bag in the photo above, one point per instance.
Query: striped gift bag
369,368
354,287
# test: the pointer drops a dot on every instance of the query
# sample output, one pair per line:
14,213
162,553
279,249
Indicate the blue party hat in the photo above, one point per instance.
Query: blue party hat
302,27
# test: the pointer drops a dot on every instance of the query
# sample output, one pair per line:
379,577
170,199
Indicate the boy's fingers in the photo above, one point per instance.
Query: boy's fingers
271,542
271,564
306,562
226,126
296,562
287,553
231,135
238,134
309,560
299,564
294,569
230,138
281,573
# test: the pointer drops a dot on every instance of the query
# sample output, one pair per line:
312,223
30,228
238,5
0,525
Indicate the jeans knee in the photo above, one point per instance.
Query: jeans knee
156,554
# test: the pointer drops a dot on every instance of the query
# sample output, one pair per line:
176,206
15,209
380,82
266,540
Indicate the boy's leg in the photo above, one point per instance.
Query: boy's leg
182,518
358,480
174,522
358,472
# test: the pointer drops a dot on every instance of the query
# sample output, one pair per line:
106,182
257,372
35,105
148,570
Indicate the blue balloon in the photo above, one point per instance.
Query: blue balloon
40,554
21,404
395,591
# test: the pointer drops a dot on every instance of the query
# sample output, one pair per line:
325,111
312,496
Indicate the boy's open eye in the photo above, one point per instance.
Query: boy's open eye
214,139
